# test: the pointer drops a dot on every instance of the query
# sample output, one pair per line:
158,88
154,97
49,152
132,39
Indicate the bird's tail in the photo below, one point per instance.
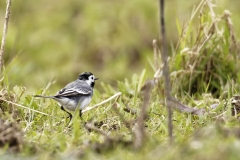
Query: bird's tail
43,96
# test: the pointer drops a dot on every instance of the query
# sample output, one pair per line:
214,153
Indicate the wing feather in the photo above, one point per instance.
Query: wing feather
77,87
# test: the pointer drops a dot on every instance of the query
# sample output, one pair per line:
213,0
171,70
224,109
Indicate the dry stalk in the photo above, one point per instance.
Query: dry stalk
226,17
175,104
117,95
5,28
166,73
24,107
90,126
139,133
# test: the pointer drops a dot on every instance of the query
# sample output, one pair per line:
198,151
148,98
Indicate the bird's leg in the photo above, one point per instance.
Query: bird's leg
80,115
69,114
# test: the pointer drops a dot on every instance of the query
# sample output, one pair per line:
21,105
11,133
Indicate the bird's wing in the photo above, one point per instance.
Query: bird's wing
77,87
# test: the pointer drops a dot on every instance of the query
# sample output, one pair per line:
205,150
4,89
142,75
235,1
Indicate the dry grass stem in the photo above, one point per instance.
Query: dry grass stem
139,133
5,28
175,104
117,95
90,126
19,105
166,73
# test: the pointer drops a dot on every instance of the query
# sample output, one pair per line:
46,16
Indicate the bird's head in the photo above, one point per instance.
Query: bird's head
88,77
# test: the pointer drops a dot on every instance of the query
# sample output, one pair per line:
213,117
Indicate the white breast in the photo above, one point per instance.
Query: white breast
85,102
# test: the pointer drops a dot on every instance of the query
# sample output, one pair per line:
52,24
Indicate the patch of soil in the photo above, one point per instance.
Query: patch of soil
11,136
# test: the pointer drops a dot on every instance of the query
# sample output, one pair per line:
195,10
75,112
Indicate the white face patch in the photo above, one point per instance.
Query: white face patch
90,80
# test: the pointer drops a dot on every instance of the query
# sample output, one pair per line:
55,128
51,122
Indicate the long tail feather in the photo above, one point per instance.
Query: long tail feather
43,96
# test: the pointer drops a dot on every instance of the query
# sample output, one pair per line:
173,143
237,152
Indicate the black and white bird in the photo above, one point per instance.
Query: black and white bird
75,95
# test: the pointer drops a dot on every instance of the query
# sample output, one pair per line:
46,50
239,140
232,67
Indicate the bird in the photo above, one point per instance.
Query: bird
75,95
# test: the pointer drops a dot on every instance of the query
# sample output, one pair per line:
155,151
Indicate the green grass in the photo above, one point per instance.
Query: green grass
49,137
202,74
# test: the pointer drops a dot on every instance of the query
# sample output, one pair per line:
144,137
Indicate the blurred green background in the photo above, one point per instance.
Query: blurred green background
110,38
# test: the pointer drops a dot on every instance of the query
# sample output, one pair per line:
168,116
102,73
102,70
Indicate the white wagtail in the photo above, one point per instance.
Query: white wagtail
77,93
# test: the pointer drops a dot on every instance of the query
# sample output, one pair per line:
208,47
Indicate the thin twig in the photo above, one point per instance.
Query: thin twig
138,128
175,104
117,95
19,105
198,8
166,73
92,127
5,28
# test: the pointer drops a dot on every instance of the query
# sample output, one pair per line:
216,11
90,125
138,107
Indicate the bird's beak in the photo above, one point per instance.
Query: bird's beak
96,78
